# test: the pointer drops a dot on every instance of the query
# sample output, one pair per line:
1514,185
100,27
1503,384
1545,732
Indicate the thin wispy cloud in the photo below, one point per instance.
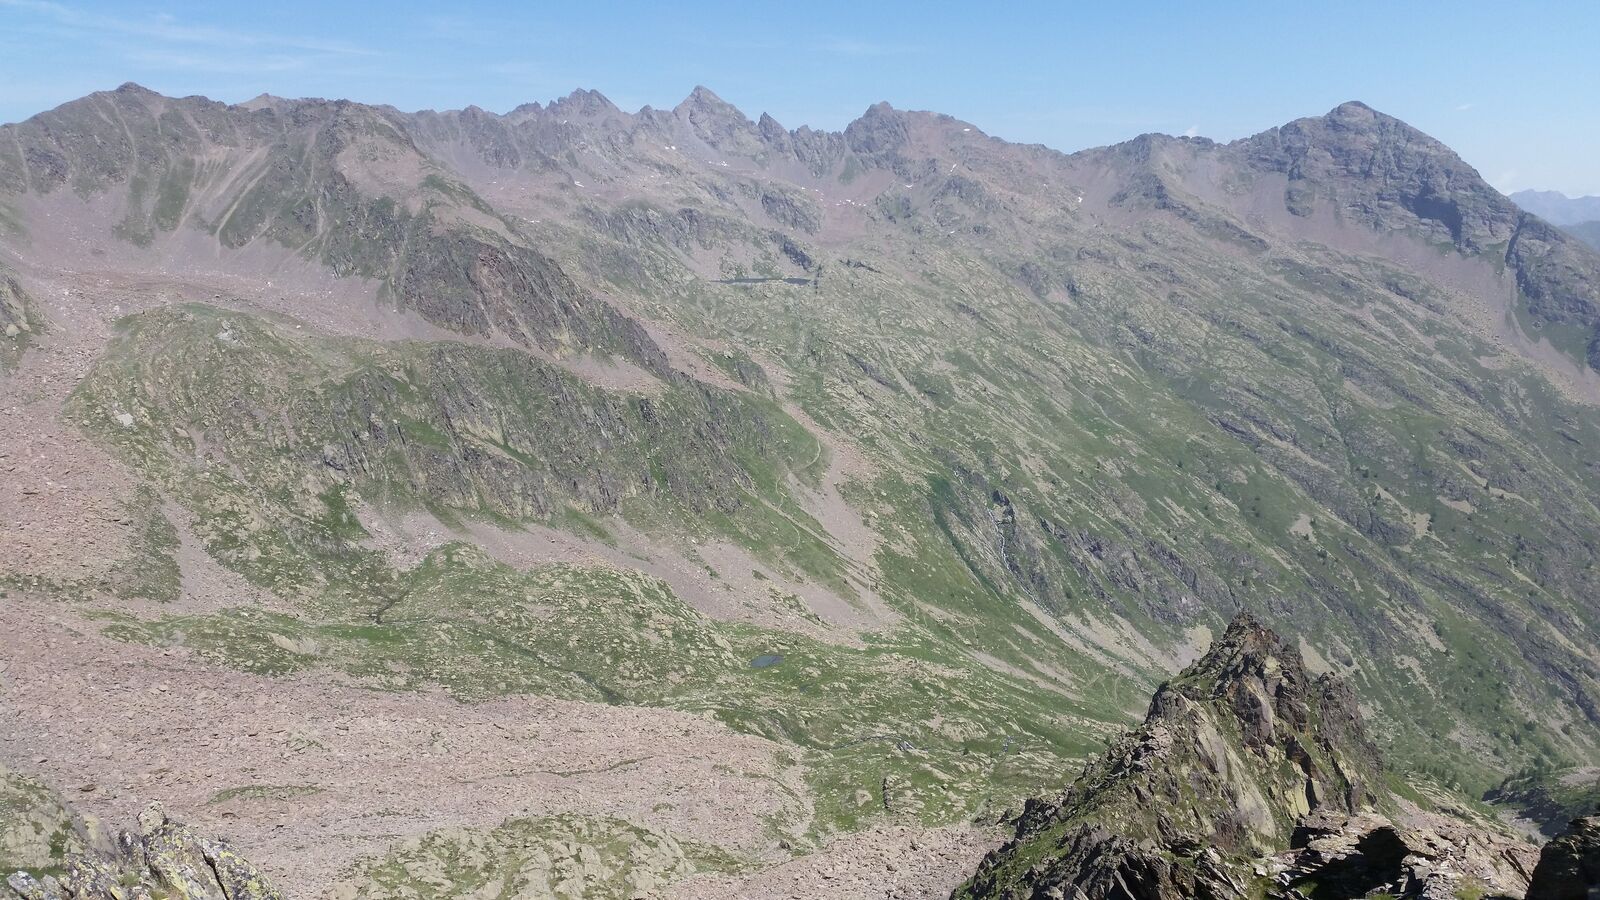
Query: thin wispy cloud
1463,107
1192,131
73,22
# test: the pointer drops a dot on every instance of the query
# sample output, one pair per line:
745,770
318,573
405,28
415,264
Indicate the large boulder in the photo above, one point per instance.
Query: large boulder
1569,867
1429,856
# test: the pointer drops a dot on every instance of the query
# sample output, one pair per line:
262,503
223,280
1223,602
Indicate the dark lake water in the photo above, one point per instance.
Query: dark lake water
766,661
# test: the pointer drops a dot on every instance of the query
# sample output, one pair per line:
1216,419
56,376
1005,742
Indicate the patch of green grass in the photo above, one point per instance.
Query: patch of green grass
522,441
263,792
959,738
563,856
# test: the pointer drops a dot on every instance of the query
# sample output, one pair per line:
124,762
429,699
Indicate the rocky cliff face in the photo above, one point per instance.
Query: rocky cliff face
1248,778
1361,165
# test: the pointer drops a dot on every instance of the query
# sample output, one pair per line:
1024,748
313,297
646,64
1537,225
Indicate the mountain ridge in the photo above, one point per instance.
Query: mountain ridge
1558,208
901,461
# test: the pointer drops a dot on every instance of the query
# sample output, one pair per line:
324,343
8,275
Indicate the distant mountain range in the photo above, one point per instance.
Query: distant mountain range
1557,208
1578,216
675,503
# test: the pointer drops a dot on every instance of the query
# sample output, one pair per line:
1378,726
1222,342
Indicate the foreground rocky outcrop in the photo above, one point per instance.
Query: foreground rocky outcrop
1428,856
1569,867
1248,778
164,859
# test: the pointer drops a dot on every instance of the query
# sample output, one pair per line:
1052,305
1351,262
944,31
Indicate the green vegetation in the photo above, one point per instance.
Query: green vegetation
1551,798
313,423
264,792
953,738
1183,439
1078,436
563,856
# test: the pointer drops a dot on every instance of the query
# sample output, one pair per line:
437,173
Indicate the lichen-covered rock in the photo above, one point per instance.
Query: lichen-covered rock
165,859
19,321
91,877
35,828
236,876
29,888
174,859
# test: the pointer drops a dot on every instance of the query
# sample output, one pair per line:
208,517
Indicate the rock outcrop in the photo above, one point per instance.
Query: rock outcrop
34,824
1429,856
1248,778
164,859
18,321
1569,867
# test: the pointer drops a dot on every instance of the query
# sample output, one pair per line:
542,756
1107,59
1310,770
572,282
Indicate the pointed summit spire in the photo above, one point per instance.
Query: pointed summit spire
584,102
882,128
703,104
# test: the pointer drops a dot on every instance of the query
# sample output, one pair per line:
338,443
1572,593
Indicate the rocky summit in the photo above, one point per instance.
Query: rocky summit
583,502
1248,778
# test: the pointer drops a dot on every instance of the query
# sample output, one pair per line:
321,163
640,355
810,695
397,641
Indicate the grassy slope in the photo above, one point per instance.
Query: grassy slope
259,411
1213,431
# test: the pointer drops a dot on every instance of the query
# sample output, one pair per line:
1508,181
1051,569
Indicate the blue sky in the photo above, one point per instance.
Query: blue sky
1512,87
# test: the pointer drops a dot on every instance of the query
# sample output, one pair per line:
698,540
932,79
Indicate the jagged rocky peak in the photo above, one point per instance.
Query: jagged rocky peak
583,103
719,123
1250,697
1248,778
773,132
703,104
881,129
